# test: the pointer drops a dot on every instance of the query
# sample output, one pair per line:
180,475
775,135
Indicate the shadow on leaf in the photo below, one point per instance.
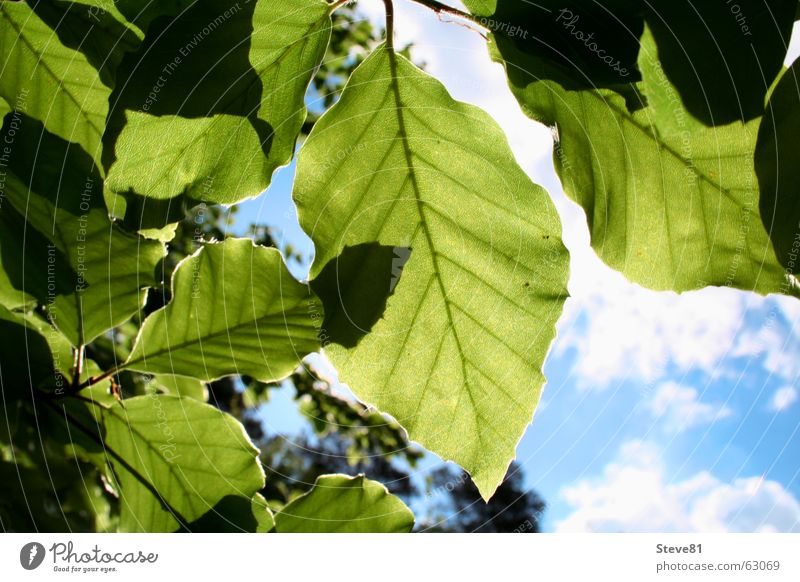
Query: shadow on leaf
193,65
354,288
234,514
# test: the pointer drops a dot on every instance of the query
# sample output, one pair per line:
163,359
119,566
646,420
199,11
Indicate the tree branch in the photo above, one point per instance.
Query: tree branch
440,8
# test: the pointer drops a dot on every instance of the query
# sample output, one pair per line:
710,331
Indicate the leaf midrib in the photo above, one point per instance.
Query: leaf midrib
403,134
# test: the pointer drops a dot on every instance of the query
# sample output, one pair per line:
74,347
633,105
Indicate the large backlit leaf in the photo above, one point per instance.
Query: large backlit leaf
342,504
671,203
174,459
236,309
213,99
456,356
88,273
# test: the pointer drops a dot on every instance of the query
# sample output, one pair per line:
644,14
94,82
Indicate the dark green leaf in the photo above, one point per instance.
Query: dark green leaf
721,57
778,168
212,101
671,203
87,272
27,359
236,514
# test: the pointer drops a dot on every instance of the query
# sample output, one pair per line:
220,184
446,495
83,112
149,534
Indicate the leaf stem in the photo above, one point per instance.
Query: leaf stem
77,366
389,24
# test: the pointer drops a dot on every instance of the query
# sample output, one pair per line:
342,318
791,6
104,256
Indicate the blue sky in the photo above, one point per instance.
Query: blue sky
661,412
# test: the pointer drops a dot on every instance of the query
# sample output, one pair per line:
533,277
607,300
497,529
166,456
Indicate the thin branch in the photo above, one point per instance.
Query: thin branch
440,9
339,3
95,379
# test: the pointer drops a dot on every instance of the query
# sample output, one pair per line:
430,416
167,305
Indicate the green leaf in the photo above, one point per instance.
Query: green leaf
235,310
175,459
778,166
101,34
88,273
342,504
26,257
722,57
547,39
151,218
671,204
457,356
180,386
49,81
214,99
214,159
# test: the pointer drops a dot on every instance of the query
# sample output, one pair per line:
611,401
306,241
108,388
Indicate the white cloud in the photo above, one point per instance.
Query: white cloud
632,332
783,398
633,495
774,344
681,409
794,46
